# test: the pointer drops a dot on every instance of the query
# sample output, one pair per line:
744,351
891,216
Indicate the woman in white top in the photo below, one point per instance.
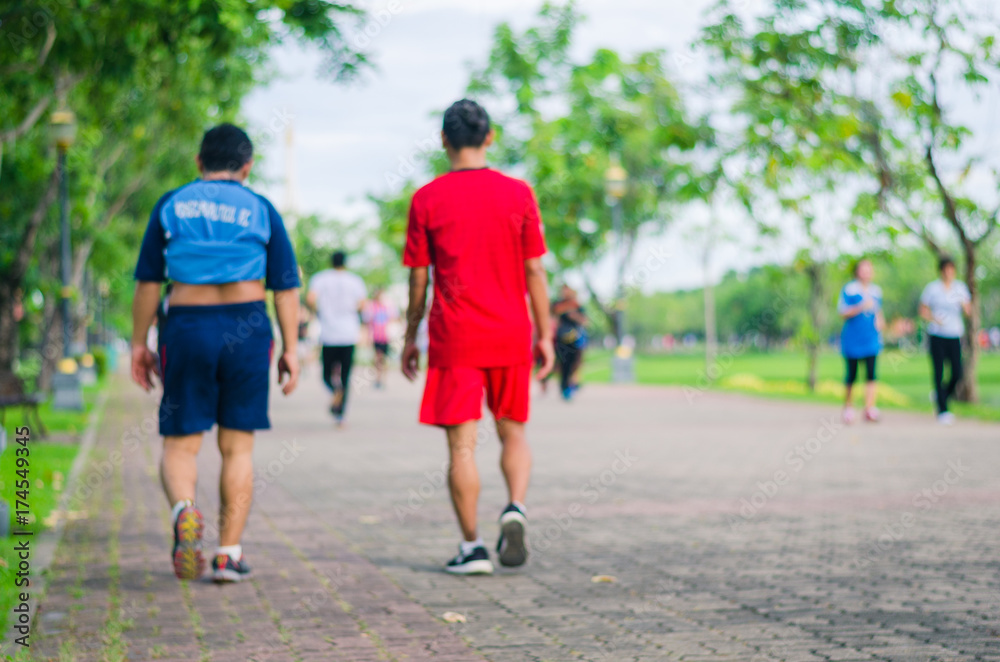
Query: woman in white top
942,305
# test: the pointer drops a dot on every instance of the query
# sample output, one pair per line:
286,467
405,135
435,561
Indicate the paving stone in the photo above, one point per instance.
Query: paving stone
350,528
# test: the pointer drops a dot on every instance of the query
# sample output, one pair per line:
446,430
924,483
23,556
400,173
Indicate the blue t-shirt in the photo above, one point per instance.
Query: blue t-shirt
860,337
215,232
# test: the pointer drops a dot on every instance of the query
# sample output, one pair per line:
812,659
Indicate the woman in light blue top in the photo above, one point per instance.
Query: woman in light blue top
860,305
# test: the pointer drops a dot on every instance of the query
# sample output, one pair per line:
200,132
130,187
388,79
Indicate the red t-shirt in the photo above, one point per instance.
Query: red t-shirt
476,228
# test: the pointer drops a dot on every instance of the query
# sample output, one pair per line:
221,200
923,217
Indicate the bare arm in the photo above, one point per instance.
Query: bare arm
311,299
852,311
286,305
537,284
144,305
925,313
419,278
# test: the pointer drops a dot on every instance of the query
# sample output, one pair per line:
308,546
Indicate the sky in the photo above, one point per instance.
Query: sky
352,141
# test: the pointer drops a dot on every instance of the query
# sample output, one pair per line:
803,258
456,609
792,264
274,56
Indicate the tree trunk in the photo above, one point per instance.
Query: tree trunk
608,312
711,332
51,349
816,319
968,390
8,325
13,276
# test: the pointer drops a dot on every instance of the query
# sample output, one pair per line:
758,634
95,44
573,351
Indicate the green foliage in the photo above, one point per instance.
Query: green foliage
315,239
610,109
613,109
144,80
769,304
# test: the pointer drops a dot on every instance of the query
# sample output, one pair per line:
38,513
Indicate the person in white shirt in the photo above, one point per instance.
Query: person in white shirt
337,296
942,304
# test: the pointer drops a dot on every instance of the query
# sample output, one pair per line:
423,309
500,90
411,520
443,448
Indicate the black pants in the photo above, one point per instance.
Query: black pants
569,358
852,369
950,350
341,356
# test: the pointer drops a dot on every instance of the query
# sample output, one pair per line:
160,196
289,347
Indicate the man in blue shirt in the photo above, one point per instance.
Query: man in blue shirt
220,245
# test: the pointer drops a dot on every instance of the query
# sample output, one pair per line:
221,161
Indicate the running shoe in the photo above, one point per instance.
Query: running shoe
849,415
872,415
946,418
512,546
188,529
226,570
337,401
476,562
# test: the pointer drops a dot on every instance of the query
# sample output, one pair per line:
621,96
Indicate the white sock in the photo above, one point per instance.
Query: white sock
466,547
178,507
234,552
521,506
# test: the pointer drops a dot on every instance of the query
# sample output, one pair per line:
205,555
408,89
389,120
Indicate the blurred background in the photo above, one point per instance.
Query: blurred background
708,172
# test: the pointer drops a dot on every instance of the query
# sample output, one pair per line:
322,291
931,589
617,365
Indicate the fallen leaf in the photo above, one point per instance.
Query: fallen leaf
452,617
603,579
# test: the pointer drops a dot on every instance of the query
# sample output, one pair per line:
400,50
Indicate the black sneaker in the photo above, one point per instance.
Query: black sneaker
476,562
511,547
225,569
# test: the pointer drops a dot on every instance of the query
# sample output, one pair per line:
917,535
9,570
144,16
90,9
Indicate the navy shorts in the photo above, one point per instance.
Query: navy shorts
215,362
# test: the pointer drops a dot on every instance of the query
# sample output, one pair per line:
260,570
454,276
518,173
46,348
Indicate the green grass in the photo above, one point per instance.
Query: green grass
48,470
783,374
70,423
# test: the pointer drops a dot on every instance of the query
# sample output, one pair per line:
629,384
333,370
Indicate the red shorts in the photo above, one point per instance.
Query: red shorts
454,395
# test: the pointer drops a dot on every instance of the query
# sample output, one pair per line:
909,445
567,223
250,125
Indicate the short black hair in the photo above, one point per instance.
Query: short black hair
944,261
338,259
466,124
226,147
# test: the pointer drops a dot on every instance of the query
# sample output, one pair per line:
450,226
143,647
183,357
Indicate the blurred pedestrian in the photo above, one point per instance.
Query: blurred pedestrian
378,314
571,339
942,305
860,305
337,296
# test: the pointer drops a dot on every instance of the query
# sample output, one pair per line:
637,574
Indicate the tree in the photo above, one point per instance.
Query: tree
138,95
315,239
797,128
941,59
610,110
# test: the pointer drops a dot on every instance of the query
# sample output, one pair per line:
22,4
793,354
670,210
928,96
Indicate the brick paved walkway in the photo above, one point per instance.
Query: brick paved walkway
734,529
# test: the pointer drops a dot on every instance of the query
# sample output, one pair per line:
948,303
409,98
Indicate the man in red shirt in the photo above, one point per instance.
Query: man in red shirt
482,233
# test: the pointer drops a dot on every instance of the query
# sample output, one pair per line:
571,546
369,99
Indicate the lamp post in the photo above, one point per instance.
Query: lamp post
67,393
615,187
